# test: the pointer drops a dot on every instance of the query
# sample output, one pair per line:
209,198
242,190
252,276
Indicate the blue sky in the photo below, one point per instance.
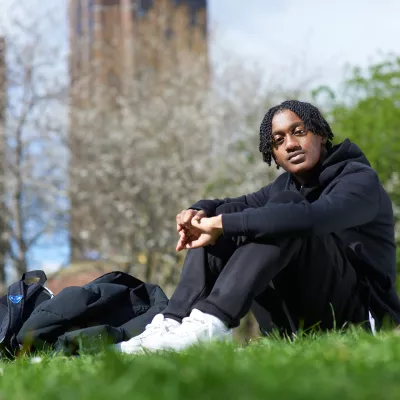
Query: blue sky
319,37
314,38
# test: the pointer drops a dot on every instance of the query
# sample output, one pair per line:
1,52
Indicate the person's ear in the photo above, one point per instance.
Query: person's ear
323,141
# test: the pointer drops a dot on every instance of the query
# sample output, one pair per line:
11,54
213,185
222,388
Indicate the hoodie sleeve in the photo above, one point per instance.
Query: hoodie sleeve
353,201
256,199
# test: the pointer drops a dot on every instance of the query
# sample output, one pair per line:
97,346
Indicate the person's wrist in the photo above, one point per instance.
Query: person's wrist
217,222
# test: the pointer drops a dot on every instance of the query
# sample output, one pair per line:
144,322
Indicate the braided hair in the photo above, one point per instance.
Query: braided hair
310,115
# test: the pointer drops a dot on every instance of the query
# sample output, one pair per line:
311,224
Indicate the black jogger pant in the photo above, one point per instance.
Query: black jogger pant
311,274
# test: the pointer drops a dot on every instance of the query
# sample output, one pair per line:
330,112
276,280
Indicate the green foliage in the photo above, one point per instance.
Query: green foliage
367,110
347,366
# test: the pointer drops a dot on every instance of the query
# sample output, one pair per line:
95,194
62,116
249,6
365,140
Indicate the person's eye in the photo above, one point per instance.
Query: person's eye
300,132
278,140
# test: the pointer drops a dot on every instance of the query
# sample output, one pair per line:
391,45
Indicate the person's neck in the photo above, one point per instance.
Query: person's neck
311,178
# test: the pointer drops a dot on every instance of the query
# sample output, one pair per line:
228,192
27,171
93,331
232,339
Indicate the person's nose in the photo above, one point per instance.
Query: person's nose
292,143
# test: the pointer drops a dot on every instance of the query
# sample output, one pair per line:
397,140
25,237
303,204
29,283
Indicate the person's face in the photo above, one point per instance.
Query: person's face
295,149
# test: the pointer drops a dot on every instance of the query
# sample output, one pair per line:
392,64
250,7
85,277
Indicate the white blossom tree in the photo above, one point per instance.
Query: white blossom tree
33,194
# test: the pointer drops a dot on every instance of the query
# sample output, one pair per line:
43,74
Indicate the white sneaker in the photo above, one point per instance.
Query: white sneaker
198,327
157,327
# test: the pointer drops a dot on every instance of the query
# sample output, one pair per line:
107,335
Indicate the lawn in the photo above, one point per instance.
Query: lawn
335,366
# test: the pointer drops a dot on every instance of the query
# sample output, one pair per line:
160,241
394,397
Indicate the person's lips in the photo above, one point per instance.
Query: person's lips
296,156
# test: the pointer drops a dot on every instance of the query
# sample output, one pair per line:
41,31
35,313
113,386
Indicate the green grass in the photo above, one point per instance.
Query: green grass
336,366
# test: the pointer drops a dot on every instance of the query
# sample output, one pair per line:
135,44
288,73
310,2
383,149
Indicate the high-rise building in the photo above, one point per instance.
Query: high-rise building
114,42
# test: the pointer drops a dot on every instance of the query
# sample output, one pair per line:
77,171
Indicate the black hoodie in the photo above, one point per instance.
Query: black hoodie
348,200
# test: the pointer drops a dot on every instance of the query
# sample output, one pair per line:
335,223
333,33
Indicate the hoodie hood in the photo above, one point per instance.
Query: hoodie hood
338,157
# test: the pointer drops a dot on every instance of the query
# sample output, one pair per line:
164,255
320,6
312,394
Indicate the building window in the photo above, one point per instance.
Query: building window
169,33
78,15
142,7
91,16
192,16
107,3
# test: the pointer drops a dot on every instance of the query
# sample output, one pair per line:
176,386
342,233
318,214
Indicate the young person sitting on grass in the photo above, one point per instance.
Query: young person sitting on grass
315,248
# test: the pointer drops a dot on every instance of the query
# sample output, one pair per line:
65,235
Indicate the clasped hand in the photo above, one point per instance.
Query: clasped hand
196,230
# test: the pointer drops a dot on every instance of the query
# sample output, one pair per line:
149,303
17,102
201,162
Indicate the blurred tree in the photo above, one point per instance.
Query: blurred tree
33,201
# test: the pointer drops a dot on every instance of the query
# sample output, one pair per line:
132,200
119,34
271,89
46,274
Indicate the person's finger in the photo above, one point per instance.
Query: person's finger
195,244
200,224
182,242
182,217
184,235
196,223
179,245
190,238
179,217
199,215
187,217
182,227
185,238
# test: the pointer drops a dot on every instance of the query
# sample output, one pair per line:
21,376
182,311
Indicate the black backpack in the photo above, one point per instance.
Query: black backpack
16,307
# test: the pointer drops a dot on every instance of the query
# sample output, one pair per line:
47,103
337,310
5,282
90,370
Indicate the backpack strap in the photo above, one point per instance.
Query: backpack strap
16,298
15,303
40,275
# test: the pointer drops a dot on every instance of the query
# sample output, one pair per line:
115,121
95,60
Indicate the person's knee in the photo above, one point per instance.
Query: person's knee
229,208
